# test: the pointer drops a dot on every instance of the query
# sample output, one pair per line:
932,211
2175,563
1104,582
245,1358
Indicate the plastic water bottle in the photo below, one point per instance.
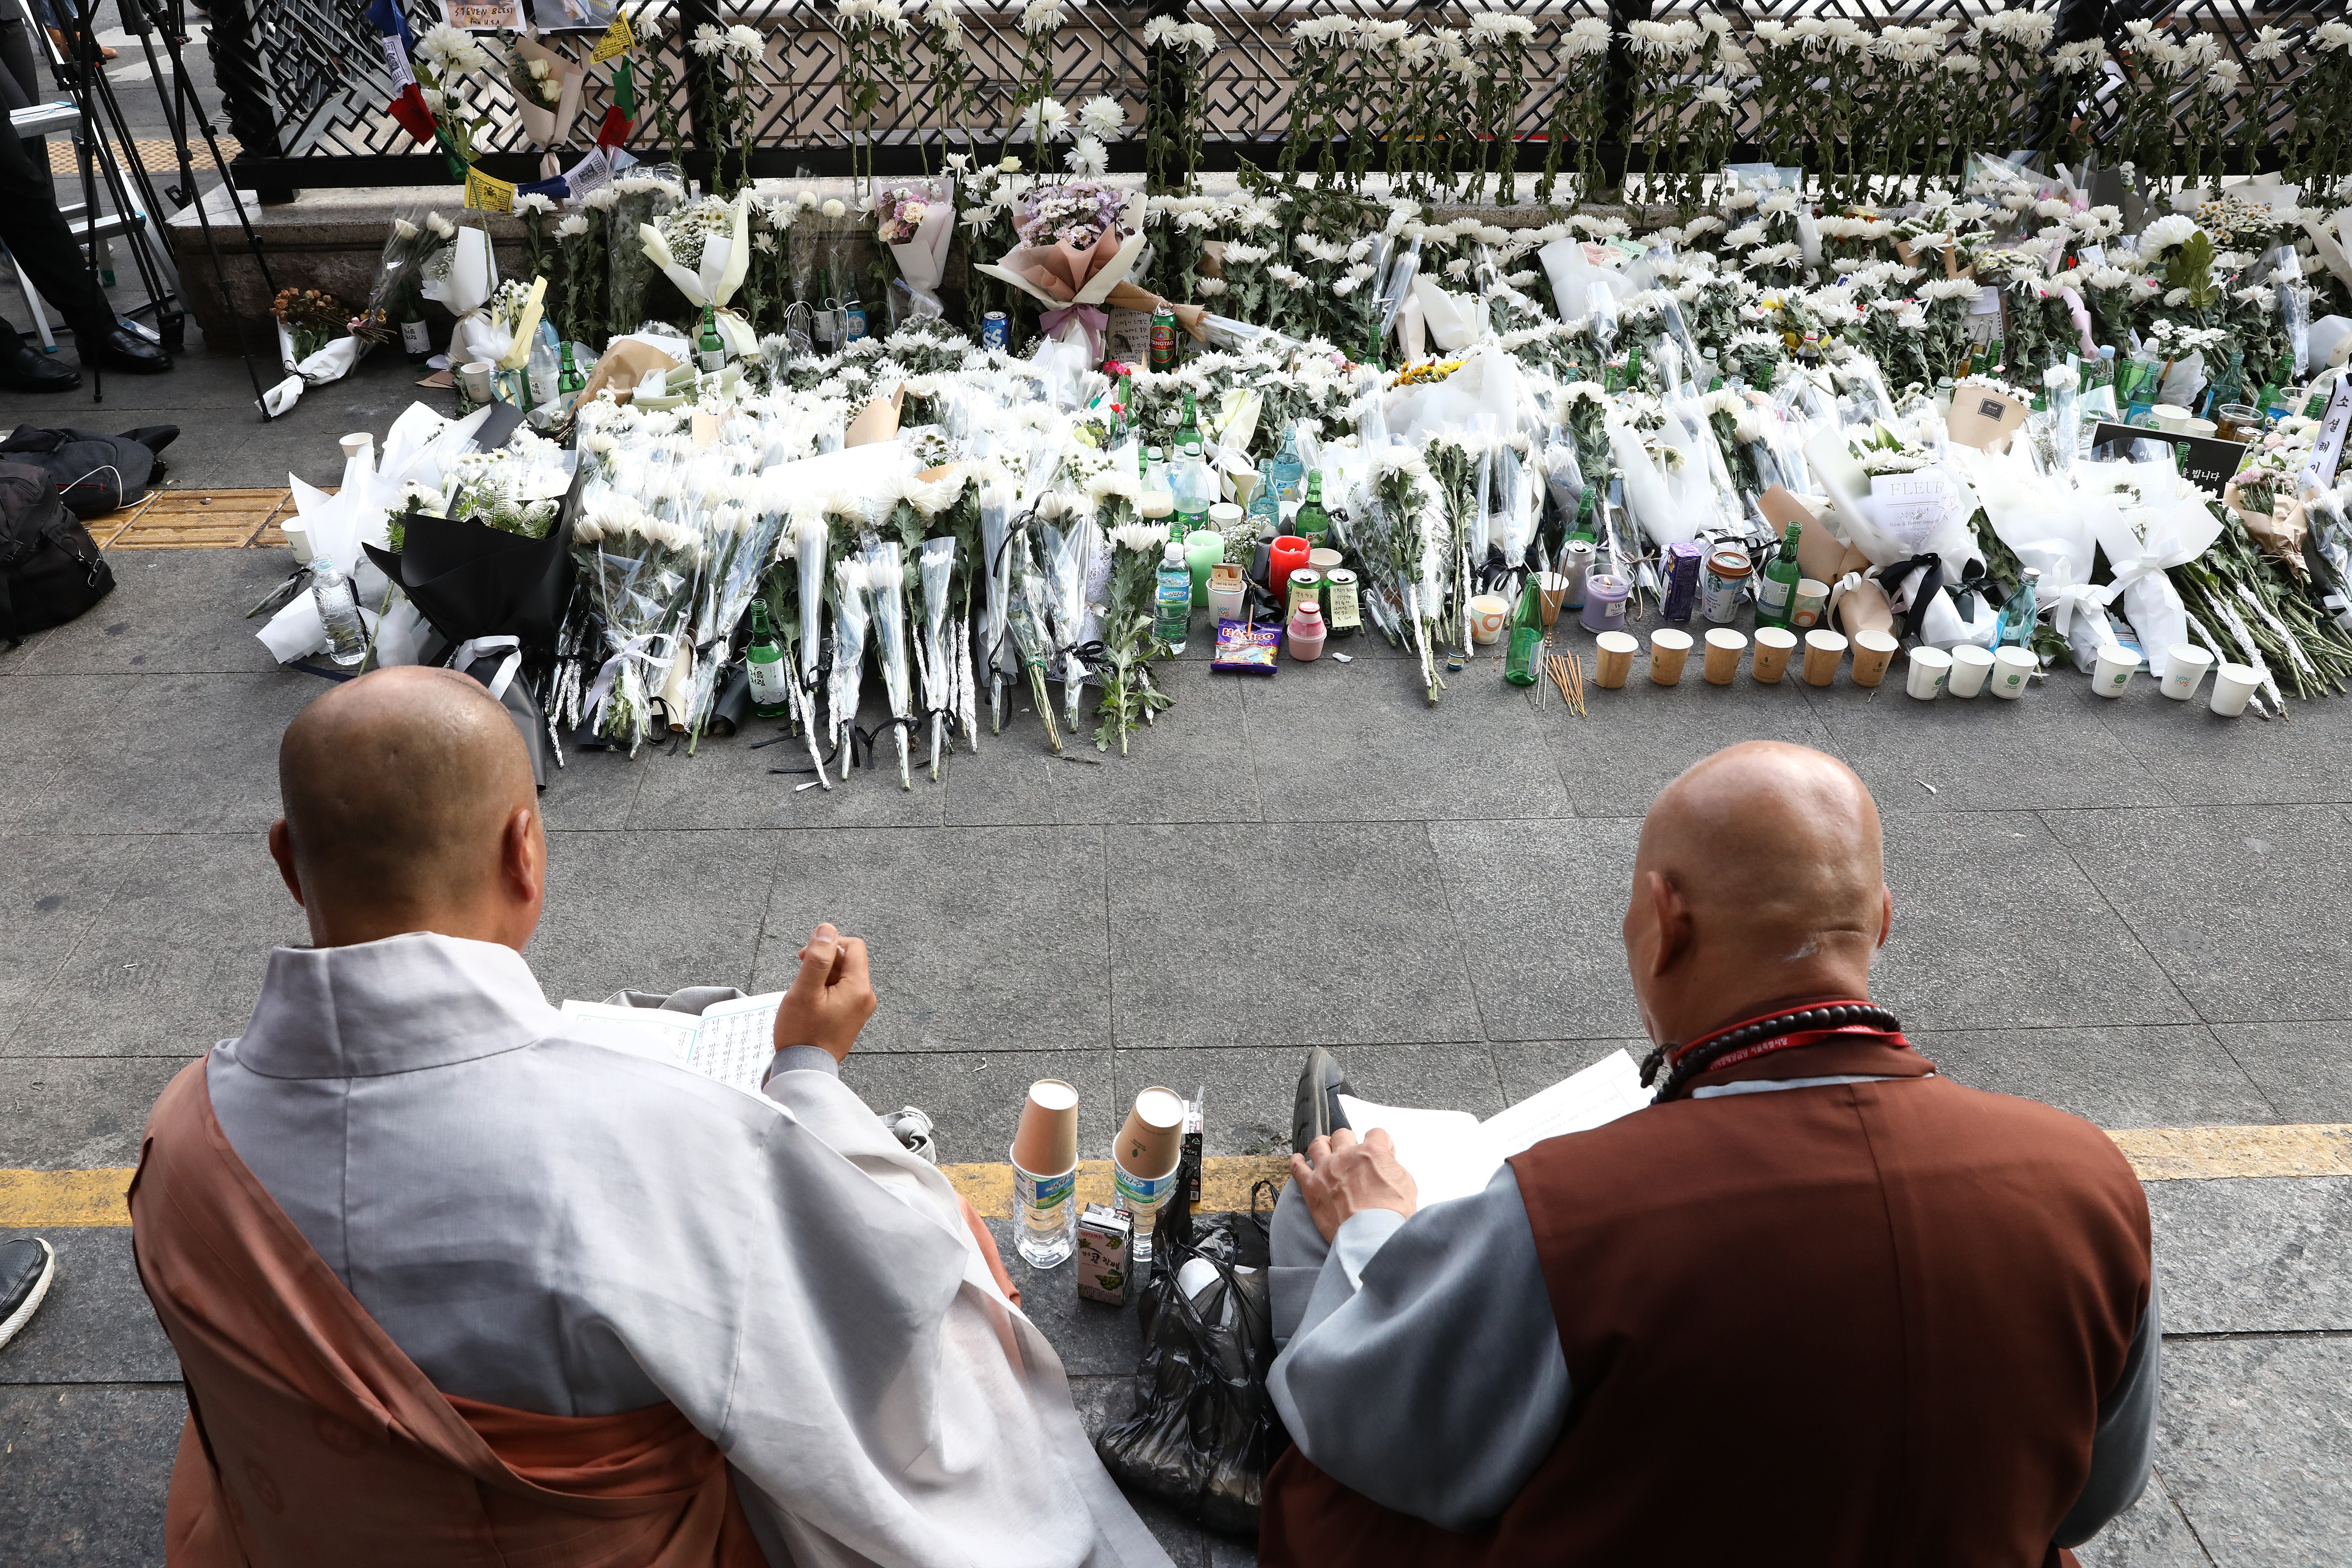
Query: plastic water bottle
1173,610
339,611
1290,472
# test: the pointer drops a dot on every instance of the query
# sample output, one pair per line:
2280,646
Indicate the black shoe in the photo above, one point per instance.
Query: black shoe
30,370
123,348
1316,1112
26,1267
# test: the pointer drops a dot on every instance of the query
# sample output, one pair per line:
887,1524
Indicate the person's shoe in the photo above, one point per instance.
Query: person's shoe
125,348
26,1267
30,370
1316,1112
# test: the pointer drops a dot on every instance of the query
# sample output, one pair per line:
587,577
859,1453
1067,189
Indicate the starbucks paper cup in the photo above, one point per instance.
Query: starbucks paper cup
2117,664
1723,648
1669,650
1613,657
1773,647
2185,665
1972,667
2233,686
1873,652
1930,668
1824,651
2010,666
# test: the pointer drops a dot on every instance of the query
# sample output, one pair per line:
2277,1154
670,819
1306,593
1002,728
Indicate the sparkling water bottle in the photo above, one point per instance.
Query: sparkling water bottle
339,611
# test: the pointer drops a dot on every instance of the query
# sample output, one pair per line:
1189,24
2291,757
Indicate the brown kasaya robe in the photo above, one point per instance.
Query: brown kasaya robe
313,1440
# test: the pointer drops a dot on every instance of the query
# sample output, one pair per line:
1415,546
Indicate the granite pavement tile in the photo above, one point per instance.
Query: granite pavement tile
1996,927
989,938
2242,905
974,1097
1094,1339
2203,760
1633,740
2255,1441
176,612
2176,1075
592,791
1358,742
95,1325
1193,763
52,888
177,957
2304,1069
45,718
169,753
727,783
651,910
1251,1091
2048,749
79,1113
17,658
2254,1254
1540,907
1293,933
2151,1533
83,1470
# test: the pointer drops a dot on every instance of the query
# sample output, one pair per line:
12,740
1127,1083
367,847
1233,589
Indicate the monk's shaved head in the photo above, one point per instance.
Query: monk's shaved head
400,788
1760,876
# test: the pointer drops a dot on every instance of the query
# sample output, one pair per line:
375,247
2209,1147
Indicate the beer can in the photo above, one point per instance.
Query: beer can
1342,610
995,331
1163,340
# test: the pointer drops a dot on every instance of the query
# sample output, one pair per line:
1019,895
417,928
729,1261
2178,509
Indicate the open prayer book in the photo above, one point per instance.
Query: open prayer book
731,1041
1453,1154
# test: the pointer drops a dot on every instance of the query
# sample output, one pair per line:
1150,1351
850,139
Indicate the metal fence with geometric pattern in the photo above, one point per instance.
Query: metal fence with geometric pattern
306,86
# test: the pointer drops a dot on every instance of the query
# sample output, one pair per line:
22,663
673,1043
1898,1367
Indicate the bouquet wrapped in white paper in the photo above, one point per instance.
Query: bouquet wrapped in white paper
705,249
917,223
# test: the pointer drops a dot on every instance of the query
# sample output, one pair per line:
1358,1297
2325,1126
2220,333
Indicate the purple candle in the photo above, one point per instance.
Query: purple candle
1604,603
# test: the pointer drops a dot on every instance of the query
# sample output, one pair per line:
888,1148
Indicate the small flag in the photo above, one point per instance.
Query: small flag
617,119
487,193
413,116
618,40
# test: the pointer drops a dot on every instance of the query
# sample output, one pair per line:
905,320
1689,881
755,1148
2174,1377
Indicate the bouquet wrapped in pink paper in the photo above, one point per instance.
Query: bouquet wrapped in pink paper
1076,248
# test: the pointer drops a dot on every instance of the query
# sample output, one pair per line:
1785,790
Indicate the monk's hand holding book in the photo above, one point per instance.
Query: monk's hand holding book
1343,1174
830,998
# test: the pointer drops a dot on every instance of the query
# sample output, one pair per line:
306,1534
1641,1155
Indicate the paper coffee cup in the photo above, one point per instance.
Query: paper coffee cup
2201,427
1972,667
1723,648
1669,649
2233,686
357,442
2010,666
1808,603
1873,652
2115,670
1487,614
1614,658
1551,589
1824,651
1152,1141
1930,668
1046,1143
2171,416
2184,670
475,377
1773,647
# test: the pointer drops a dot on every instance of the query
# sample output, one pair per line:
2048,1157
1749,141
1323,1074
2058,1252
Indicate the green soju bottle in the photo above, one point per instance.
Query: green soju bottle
568,382
416,337
710,349
1313,523
1526,636
763,661
1776,590
1189,432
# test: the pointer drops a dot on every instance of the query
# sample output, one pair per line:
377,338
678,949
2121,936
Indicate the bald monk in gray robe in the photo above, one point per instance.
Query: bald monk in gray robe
550,1225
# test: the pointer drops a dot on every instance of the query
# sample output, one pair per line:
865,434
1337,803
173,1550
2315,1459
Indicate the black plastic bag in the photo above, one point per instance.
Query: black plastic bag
1204,1431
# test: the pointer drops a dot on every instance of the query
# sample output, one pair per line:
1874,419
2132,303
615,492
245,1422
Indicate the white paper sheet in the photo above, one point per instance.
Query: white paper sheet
1453,1154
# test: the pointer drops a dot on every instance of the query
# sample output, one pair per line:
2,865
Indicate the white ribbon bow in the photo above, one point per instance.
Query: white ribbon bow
473,648
637,647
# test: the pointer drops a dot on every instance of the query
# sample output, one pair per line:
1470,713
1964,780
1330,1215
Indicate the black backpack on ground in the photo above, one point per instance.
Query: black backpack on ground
50,569
93,474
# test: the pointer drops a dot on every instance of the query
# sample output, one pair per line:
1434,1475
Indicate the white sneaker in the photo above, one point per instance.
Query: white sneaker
26,1267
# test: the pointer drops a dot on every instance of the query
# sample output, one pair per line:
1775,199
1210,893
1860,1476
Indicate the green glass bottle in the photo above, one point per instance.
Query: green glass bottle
1997,357
1189,432
568,382
1312,523
763,661
710,349
1526,636
1776,589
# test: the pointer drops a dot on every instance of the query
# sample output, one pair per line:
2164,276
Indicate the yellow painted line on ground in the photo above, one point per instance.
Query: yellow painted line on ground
61,1200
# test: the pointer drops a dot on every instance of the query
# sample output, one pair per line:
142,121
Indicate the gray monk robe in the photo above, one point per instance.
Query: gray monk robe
556,1226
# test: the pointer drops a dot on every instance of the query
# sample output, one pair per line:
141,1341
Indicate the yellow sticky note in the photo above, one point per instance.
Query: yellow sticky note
487,193
618,40
526,330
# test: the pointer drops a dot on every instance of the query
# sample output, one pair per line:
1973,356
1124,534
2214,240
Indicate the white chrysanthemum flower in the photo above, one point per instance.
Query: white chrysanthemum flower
707,40
533,202
2162,235
2175,297
835,208
1102,117
451,51
1088,157
572,227
745,43
1043,121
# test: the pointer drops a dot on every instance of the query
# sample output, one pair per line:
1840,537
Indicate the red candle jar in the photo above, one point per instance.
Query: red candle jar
1289,553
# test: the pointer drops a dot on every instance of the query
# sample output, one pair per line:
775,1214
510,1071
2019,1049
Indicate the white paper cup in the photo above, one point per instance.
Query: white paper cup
1971,668
1930,668
2117,664
2171,416
2233,684
2010,666
2185,665
475,377
1489,612
2205,427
